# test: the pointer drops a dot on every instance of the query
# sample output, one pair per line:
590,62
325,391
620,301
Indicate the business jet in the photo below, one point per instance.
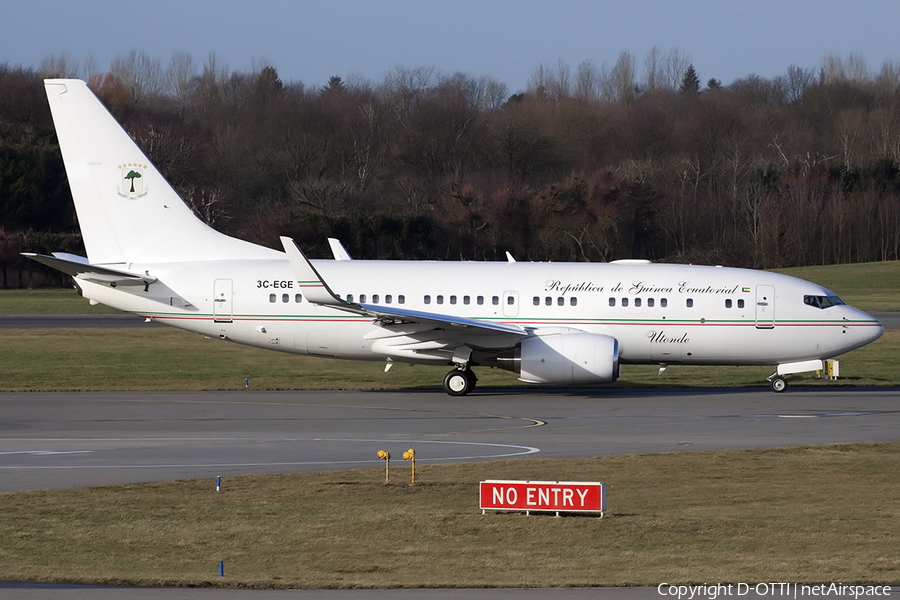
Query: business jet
556,323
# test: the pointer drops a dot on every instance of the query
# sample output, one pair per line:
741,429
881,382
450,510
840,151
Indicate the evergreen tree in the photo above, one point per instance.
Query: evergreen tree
690,84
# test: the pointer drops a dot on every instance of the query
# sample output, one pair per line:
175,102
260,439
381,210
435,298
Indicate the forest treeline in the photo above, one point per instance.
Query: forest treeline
591,164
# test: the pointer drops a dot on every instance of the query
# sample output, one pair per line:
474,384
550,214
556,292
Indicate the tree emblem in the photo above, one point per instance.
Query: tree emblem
132,175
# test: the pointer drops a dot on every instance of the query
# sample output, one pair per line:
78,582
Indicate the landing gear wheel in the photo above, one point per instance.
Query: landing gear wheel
778,384
459,382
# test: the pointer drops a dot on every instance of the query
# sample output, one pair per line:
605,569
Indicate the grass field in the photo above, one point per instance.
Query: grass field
867,286
813,515
158,358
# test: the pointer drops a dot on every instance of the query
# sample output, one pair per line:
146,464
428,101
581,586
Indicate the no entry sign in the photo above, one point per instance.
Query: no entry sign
548,496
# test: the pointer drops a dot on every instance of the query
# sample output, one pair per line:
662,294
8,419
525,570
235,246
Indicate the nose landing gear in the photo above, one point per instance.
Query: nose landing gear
778,384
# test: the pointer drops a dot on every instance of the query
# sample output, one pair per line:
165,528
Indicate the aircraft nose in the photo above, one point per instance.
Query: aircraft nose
870,328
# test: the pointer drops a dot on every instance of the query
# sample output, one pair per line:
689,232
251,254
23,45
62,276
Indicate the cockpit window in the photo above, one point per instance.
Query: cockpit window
822,301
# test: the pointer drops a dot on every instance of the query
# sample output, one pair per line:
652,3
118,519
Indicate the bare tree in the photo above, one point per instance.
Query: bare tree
654,77
889,76
180,77
91,67
587,81
547,82
797,81
836,69
60,65
622,81
139,73
675,65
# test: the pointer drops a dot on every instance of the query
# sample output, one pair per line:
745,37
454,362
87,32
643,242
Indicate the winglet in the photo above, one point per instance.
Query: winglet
340,253
310,282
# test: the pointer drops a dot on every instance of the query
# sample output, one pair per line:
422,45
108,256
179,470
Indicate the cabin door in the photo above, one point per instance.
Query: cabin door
222,293
765,306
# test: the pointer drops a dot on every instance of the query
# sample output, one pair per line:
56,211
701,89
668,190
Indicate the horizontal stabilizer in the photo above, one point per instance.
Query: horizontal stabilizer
78,266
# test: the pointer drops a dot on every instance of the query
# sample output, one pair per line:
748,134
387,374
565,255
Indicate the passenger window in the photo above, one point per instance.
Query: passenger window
388,299
740,304
537,301
510,300
466,300
663,302
401,299
272,297
728,303
285,297
573,301
480,300
650,302
495,300
440,299
350,298
612,301
690,303
362,298
637,301
375,298
298,298
624,301
452,299
427,299
548,301
561,301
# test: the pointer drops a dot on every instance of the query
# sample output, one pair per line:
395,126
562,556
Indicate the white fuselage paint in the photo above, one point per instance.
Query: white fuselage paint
767,322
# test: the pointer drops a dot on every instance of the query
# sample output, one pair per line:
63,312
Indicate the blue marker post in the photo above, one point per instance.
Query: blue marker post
221,568
247,383
218,482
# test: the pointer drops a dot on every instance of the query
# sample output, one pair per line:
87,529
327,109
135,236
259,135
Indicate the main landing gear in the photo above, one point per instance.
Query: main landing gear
460,381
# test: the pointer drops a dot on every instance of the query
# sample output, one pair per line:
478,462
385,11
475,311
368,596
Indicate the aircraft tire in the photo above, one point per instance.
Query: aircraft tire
778,384
458,382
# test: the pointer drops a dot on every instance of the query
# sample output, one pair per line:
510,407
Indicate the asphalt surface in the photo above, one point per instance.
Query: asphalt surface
60,440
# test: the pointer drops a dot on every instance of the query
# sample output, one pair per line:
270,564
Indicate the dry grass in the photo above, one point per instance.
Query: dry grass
171,359
805,515
867,286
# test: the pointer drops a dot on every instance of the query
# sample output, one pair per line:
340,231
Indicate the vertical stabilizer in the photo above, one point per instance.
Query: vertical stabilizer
126,210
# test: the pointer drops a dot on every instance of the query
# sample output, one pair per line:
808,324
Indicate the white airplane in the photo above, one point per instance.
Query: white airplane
558,323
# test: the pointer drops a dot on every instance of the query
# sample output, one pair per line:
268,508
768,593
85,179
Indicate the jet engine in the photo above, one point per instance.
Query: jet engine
570,357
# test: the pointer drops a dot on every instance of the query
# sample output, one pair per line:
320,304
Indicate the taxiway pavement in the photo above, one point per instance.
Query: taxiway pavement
60,440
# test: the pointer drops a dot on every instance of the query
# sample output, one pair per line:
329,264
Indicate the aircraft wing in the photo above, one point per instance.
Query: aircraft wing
317,291
78,266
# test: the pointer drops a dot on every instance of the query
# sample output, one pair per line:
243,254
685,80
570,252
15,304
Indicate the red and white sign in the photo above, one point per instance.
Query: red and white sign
558,496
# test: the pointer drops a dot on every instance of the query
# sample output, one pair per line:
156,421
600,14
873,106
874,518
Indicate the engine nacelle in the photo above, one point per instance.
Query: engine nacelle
571,357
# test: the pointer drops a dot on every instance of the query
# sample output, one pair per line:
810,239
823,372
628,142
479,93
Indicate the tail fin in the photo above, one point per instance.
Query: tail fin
126,209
